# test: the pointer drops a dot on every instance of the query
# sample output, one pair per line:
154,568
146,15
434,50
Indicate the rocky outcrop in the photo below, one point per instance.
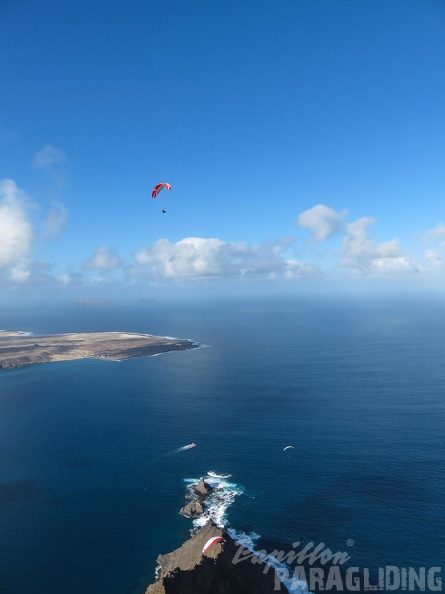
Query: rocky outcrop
225,568
201,488
220,570
198,493
192,509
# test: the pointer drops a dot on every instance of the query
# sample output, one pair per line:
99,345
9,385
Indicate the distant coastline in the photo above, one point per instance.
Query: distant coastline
18,349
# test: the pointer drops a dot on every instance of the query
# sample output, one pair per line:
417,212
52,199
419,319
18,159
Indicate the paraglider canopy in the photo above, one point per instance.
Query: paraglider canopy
211,542
158,188
287,447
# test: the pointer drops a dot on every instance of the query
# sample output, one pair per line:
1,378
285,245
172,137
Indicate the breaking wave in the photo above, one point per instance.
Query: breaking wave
215,509
216,504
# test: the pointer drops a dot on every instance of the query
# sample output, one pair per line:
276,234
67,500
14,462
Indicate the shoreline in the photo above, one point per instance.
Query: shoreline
19,349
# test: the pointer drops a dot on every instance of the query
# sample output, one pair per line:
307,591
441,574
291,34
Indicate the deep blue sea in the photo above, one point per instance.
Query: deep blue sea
90,484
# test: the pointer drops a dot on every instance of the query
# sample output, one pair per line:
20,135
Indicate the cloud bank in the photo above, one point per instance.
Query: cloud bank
337,249
207,258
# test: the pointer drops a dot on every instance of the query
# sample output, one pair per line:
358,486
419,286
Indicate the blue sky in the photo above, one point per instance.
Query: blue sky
304,141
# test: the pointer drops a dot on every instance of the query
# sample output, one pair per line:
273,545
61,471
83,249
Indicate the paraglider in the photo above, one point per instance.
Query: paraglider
287,447
211,542
163,211
158,188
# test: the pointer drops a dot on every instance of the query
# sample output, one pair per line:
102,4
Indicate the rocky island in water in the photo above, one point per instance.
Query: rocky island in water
211,561
18,349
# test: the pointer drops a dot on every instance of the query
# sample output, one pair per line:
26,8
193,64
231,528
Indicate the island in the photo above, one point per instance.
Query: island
18,349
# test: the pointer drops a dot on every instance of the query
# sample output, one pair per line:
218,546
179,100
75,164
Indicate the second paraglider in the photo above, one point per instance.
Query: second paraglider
158,188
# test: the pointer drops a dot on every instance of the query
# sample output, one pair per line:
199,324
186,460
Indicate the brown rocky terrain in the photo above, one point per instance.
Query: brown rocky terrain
220,570
225,568
18,349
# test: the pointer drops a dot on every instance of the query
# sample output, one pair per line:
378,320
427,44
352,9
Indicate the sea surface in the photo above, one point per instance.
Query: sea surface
91,481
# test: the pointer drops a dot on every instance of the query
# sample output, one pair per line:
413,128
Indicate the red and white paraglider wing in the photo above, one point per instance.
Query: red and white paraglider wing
158,188
211,542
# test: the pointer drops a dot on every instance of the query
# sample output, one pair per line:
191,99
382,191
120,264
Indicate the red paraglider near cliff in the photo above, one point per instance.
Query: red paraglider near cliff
158,188
211,542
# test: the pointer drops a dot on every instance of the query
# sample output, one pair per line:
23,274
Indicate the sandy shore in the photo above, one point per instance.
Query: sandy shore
18,349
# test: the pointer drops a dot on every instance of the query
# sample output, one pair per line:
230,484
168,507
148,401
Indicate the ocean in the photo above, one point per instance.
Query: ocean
92,482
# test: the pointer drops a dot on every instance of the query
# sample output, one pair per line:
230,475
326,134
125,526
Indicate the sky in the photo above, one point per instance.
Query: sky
304,141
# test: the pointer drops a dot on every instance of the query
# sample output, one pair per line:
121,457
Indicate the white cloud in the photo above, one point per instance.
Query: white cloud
104,258
298,269
55,220
19,274
48,155
321,221
393,265
64,279
437,233
363,255
15,229
433,259
199,258
358,242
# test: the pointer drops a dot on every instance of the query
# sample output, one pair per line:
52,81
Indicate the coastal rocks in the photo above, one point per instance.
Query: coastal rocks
198,492
192,509
227,567
220,570
201,488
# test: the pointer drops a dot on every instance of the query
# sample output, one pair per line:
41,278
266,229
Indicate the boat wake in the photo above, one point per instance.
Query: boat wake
172,452
215,475
186,447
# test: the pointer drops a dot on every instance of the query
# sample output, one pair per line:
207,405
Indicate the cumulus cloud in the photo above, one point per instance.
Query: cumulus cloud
200,258
298,269
437,233
358,242
433,259
15,229
393,265
104,258
19,274
48,155
361,253
321,221
55,220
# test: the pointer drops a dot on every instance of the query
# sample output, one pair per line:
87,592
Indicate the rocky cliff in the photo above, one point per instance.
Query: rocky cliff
226,567
220,570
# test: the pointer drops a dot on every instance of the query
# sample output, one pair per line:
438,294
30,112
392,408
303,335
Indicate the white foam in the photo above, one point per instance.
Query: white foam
215,509
283,571
217,503
216,475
